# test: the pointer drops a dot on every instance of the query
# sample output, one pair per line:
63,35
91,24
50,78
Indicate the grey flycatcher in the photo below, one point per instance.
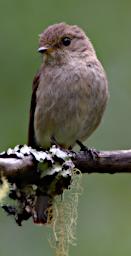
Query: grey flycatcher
69,96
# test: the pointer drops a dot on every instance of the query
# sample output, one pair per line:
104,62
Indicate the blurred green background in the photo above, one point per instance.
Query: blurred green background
104,224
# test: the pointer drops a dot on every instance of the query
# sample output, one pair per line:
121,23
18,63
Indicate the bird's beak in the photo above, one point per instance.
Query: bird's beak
45,49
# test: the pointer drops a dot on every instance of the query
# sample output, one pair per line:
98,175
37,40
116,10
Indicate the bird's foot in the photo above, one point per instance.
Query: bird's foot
93,153
53,141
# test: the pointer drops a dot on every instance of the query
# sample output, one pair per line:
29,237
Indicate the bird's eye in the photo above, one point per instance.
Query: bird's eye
66,41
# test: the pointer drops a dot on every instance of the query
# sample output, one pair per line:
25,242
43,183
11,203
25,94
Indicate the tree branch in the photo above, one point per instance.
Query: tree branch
110,162
33,173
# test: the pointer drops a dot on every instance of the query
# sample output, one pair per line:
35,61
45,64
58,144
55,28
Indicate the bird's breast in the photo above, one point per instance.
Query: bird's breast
66,104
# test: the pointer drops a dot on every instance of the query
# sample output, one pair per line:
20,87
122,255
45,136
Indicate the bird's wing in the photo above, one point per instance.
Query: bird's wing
31,136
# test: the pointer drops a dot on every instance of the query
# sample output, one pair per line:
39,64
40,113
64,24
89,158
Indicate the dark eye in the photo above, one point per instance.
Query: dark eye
66,41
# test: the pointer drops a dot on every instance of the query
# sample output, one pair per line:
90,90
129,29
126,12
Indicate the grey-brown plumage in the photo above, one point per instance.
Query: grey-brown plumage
70,91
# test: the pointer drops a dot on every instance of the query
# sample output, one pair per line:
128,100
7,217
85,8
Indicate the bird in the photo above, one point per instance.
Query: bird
69,92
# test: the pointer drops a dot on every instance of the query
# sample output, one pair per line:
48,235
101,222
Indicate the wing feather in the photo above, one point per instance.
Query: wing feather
31,135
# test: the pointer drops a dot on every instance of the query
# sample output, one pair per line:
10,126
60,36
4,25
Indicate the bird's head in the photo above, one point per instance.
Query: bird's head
61,42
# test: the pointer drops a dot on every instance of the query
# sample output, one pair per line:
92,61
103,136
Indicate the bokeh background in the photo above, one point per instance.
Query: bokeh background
104,223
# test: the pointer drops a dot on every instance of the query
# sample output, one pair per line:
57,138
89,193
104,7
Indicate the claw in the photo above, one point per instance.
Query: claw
91,151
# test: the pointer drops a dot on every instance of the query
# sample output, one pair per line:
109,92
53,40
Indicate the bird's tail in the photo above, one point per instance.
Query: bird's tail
42,212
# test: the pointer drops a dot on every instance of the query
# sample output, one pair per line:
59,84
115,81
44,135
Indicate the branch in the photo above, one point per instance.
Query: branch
110,162
35,174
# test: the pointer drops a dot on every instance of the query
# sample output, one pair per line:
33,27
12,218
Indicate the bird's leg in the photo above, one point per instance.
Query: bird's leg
70,148
91,151
54,141
82,146
61,146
